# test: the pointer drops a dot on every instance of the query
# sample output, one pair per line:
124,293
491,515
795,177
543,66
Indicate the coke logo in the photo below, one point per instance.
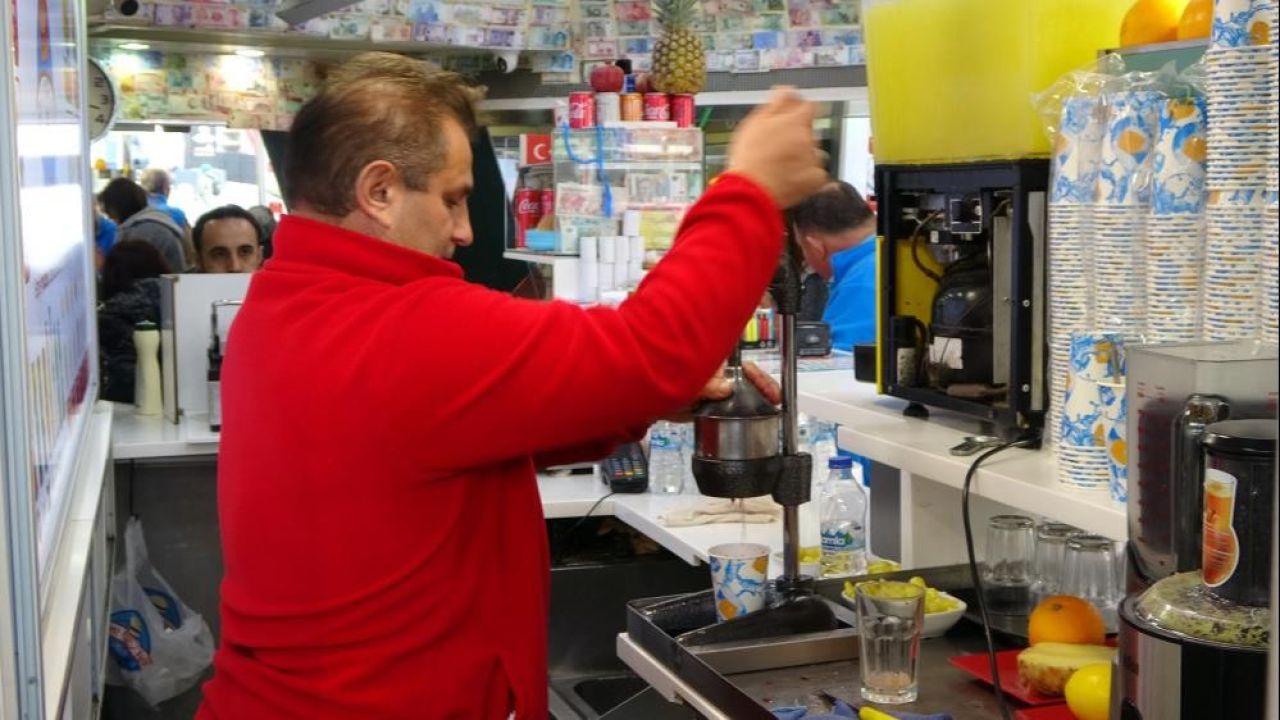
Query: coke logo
578,110
527,206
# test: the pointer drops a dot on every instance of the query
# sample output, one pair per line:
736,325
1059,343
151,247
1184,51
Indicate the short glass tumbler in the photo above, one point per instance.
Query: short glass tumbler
1010,564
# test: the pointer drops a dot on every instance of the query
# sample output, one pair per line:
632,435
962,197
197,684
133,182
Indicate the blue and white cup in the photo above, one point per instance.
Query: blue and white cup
1133,124
1179,165
1078,152
1098,357
739,578
1232,20
1115,418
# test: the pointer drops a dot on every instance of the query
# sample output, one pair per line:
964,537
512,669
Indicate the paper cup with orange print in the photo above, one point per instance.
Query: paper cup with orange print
739,578
1133,125
1115,419
1179,167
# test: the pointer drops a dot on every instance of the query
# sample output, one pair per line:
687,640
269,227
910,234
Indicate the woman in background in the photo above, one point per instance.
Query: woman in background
129,293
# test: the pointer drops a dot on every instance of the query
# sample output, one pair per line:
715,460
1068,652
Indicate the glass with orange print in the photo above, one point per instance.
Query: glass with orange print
1221,546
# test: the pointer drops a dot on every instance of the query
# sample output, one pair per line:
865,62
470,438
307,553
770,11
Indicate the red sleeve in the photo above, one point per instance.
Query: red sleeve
589,451
497,377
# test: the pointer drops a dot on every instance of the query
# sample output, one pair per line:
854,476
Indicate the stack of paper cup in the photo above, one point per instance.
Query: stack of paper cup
1124,196
1269,308
1115,419
1076,160
1175,228
1232,266
1082,453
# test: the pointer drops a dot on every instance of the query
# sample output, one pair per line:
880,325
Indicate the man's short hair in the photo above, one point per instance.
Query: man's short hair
836,208
122,198
223,213
156,182
377,106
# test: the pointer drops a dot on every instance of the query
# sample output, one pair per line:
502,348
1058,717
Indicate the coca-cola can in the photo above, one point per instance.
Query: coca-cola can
608,108
582,110
548,204
657,107
632,107
528,212
682,110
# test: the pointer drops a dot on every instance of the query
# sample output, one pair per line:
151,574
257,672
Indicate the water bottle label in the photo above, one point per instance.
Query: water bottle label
840,539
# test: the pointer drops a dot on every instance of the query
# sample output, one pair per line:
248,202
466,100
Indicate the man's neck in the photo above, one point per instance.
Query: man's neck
355,222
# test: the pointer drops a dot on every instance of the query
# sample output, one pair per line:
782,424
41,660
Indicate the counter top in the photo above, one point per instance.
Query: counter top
138,437
873,425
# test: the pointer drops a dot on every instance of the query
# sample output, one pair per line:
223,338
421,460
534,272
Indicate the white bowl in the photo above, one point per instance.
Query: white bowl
812,569
935,624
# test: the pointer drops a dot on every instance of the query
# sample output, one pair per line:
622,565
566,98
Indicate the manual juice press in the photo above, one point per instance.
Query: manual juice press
745,447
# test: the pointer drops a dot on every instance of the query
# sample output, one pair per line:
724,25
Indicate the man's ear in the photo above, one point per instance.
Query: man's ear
377,191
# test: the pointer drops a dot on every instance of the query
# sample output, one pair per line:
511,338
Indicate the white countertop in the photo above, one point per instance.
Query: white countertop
873,425
137,437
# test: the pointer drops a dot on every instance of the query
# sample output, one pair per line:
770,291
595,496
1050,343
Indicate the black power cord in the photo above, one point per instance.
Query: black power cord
1027,442
568,536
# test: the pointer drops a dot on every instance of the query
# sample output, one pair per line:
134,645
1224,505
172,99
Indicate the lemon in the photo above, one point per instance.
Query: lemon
1088,692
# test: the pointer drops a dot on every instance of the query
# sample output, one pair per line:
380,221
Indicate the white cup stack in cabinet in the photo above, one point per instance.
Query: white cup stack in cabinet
621,192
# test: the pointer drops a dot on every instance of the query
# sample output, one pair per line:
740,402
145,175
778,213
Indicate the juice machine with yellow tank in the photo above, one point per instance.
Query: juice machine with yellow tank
961,311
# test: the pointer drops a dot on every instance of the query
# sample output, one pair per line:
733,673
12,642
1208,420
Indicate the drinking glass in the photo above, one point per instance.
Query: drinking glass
890,618
1011,552
1089,572
1051,546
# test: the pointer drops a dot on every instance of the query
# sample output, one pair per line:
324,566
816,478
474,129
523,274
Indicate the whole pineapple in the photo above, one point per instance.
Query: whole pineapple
679,64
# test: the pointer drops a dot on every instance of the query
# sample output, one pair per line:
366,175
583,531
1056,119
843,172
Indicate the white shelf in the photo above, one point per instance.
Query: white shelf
138,437
540,258
854,97
641,165
873,425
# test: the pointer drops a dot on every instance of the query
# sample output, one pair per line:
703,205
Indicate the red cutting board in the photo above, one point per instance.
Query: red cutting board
979,666
1046,712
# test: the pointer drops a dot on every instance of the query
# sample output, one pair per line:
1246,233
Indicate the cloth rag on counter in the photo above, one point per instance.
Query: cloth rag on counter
839,711
759,511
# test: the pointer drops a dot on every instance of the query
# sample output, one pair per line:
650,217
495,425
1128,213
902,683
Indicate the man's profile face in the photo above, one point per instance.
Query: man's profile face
818,247
435,220
229,245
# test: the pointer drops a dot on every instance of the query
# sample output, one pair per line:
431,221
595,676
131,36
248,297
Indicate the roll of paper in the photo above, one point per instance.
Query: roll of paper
588,250
588,280
609,250
631,223
621,274
636,249
605,270
635,272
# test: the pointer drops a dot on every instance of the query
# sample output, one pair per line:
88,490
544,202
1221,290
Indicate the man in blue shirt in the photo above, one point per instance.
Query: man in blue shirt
157,184
836,231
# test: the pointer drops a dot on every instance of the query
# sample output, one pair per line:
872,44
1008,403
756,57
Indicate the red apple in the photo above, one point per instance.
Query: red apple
644,83
606,78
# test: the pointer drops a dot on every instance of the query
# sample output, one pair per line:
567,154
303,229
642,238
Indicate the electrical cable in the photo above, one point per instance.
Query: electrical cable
568,536
915,243
973,564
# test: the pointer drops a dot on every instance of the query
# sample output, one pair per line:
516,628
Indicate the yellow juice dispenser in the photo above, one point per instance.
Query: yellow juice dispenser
952,80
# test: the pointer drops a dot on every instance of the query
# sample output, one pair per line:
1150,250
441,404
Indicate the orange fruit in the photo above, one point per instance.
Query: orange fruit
1066,619
1196,20
1151,21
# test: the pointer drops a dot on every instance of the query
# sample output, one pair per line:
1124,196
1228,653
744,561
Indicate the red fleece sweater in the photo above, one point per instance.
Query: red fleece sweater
381,528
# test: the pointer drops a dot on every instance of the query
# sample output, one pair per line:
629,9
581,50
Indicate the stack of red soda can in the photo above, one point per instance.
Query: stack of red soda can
533,203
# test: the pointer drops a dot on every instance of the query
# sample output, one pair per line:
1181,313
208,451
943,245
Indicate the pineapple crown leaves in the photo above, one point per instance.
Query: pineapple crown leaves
674,14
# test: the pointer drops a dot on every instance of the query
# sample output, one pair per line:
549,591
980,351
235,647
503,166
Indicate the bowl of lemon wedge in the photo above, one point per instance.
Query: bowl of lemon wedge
941,610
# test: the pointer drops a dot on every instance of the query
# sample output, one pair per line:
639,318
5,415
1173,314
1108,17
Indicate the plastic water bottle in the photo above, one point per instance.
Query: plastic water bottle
688,444
666,462
843,516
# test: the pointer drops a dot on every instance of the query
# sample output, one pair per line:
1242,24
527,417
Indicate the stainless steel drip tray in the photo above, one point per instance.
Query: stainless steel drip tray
745,656
675,631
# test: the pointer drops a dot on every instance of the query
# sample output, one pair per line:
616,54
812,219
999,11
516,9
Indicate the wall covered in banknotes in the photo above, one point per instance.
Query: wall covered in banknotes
561,38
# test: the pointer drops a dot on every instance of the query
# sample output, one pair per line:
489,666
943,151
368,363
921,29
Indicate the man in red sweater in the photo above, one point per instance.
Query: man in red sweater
384,543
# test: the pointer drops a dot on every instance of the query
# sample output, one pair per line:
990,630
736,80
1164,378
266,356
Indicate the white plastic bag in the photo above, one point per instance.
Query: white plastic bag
158,646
